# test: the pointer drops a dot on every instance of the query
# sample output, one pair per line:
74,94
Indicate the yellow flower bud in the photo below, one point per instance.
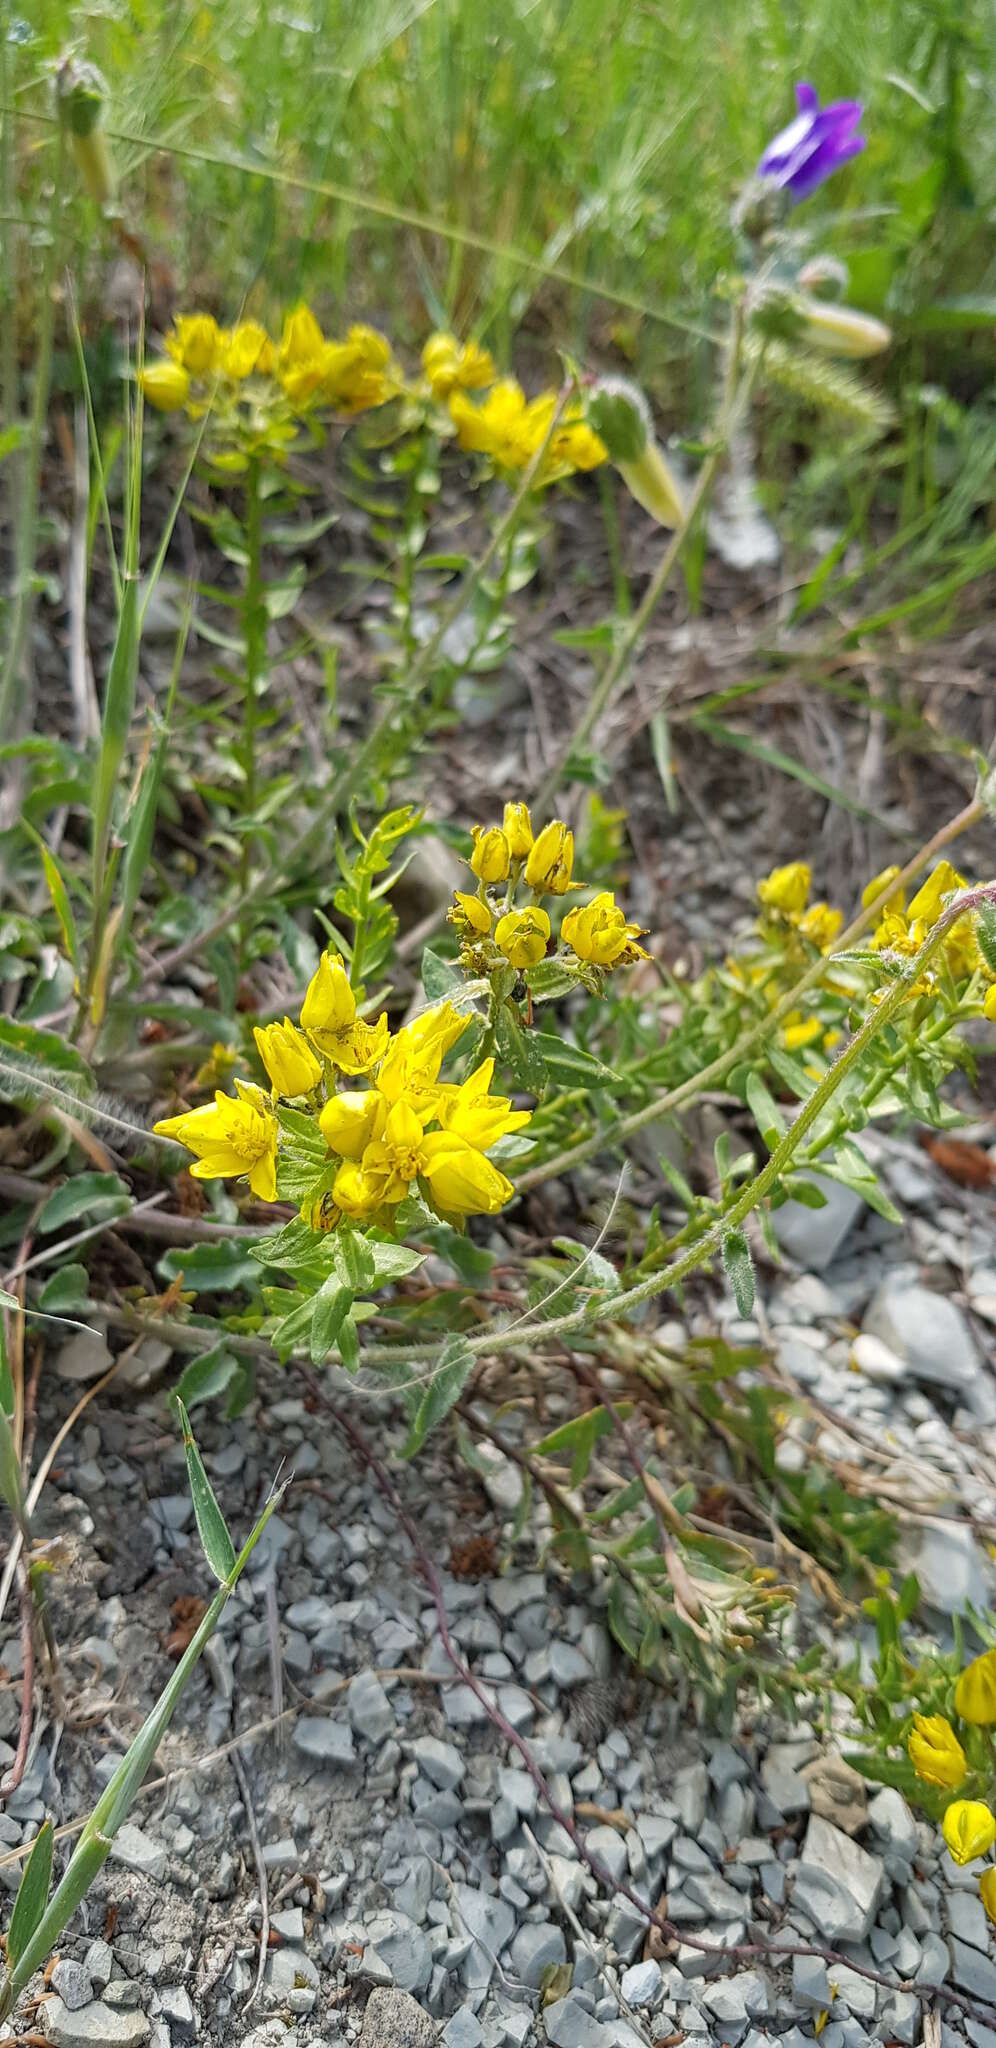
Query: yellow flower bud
470,915
803,1032
600,935
895,903
491,858
989,1003
820,925
288,1058
522,936
987,1891
969,1829
936,1753
842,330
786,888
929,899
196,341
975,1692
355,1193
651,482
248,350
518,829
551,859
165,385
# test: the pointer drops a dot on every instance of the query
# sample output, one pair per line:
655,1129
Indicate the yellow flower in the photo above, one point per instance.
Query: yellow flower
234,1134
469,1112
896,901
470,915
248,349
551,859
786,888
348,1122
416,1054
936,1753
196,342
450,366
518,829
599,933
300,355
357,373
975,1692
288,1058
166,386
987,1891
498,428
969,1829
522,936
989,1003
353,1193
929,899
328,1015
800,1031
820,924
491,858
462,1181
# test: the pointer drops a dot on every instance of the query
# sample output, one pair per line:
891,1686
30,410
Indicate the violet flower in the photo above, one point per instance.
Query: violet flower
814,145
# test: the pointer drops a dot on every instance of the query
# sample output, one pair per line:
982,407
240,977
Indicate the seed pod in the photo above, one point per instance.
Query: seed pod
841,330
621,416
81,96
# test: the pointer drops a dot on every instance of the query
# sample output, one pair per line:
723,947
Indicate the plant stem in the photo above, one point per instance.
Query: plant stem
254,638
26,526
735,391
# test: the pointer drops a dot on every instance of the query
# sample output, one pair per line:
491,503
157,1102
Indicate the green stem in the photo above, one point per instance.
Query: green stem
26,529
735,392
254,637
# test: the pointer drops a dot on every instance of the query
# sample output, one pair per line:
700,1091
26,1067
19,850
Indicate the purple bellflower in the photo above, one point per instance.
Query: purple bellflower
814,145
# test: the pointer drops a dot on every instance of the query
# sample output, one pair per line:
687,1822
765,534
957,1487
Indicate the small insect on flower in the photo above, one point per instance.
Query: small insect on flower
600,935
288,1058
523,935
814,145
551,860
975,1692
231,1135
969,1829
328,1015
491,858
786,889
936,1753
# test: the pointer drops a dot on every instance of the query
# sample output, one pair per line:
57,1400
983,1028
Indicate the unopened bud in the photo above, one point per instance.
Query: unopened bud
824,277
81,96
841,330
620,414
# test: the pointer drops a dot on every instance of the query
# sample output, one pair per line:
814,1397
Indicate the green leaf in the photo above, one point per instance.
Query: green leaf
472,1261
519,1050
440,978
218,1268
332,1304
10,1468
739,1270
216,1542
765,1111
450,1376
961,315
985,932
303,1154
32,1893
548,981
68,1288
354,1260
349,1344
579,1437
95,1196
207,1376
568,1066
60,895
44,1048
119,703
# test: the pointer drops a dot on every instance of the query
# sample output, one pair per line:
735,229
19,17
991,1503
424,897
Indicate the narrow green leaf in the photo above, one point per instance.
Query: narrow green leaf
569,1066
440,978
985,932
216,1542
10,1469
765,1111
739,1270
354,1260
456,1363
349,1344
332,1304
206,1376
119,703
32,1894
60,895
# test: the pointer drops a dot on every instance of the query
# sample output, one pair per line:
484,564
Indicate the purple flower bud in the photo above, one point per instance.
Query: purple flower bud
814,145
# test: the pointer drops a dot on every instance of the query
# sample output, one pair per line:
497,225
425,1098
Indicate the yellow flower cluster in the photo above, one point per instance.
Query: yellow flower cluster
508,858
510,429
256,387
379,1138
785,892
905,927
938,1758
